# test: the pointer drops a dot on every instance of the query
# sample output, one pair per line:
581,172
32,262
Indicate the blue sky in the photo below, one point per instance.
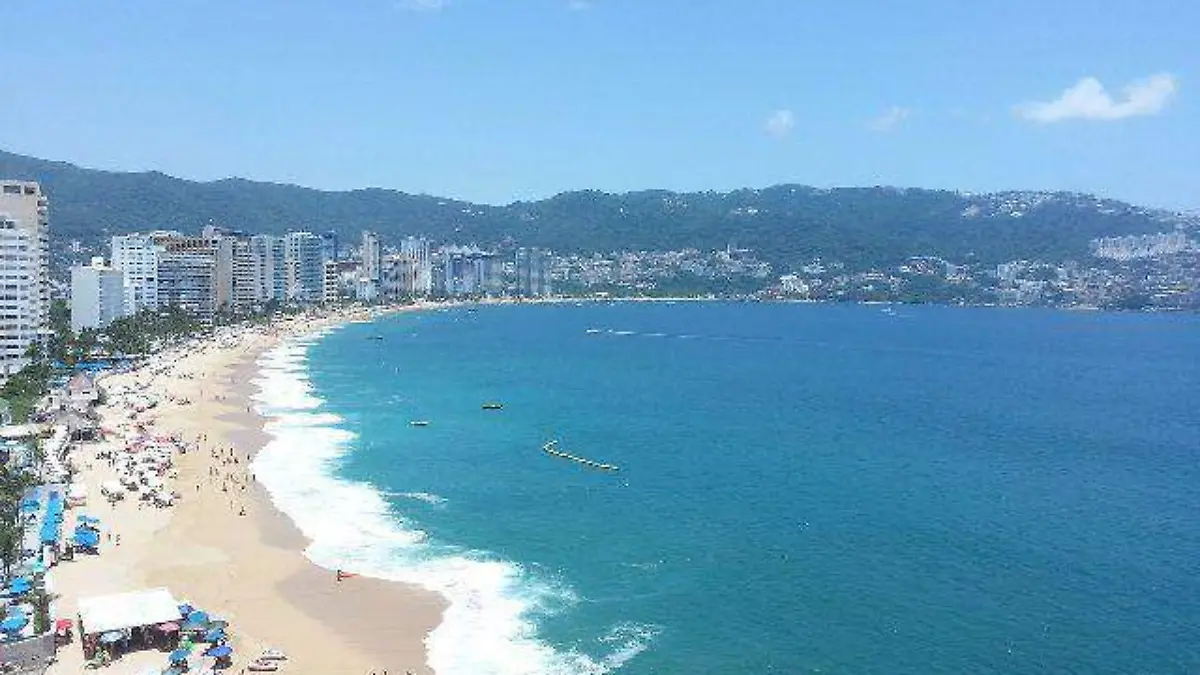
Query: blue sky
499,100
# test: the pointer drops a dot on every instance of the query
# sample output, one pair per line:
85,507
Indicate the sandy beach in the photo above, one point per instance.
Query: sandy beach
223,546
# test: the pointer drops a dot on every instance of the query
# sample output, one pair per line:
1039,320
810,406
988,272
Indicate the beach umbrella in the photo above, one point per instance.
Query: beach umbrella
220,651
185,609
197,616
214,635
63,625
87,539
85,518
179,655
112,636
20,585
14,623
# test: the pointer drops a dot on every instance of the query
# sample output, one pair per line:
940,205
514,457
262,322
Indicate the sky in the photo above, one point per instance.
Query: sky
502,100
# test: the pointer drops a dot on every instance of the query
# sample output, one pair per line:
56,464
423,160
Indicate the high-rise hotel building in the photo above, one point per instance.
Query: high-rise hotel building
24,271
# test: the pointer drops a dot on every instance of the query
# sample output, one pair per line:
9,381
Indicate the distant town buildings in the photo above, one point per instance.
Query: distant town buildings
24,271
97,295
225,272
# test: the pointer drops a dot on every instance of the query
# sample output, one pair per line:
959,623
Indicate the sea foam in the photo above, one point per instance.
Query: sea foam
489,627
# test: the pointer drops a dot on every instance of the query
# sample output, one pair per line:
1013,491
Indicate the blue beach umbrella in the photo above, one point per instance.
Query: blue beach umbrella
14,623
20,585
220,651
197,616
178,655
214,635
87,539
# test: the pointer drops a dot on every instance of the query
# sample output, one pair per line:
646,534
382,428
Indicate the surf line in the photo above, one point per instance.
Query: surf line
551,449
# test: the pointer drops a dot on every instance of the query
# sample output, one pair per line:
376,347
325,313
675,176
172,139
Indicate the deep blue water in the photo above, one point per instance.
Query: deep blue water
803,488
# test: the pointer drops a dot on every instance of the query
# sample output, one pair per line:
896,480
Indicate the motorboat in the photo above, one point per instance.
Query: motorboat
419,423
493,406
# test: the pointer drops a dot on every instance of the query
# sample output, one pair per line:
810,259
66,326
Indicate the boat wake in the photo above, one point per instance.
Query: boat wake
494,605
426,497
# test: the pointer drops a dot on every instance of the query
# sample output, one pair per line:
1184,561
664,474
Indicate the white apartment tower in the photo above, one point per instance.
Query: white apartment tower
372,257
97,295
24,271
305,268
416,250
136,255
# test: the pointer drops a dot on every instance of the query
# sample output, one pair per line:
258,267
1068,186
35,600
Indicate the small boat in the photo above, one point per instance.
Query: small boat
375,337
493,406
592,331
419,423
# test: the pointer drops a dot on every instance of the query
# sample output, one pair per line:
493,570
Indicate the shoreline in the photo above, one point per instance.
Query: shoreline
225,546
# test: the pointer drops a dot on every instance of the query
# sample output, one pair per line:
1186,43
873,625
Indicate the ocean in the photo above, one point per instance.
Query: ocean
801,488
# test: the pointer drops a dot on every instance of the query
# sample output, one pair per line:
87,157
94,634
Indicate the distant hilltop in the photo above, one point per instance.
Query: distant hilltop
786,225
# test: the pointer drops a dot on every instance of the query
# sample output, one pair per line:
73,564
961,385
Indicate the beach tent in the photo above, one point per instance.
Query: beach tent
104,613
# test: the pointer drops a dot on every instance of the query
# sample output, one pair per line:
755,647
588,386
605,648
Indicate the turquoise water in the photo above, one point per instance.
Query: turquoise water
803,488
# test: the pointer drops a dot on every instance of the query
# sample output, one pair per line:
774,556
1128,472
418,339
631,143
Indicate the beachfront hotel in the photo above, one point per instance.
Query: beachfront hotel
97,295
24,271
136,255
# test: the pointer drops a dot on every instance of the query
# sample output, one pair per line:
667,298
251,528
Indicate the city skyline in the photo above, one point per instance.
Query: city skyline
489,103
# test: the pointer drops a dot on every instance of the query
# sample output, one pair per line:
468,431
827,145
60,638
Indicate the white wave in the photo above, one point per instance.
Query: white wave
493,604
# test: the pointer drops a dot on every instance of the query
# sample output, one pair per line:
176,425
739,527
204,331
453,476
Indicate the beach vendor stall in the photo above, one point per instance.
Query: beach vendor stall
124,621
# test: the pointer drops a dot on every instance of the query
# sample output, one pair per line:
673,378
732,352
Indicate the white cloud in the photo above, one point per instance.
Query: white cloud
890,119
780,123
1088,100
422,5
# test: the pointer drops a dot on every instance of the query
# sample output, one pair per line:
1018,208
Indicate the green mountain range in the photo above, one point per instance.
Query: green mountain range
786,225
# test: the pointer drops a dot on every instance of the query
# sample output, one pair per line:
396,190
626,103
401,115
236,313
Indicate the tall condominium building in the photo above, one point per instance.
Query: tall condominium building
331,283
218,248
248,291
186,280
398,278
97,295
372,257
329,246
416,250
305,268
468,271
533,272
24,271
136,255
270,254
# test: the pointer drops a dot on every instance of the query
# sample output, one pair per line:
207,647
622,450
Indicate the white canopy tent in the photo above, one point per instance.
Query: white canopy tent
121,611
